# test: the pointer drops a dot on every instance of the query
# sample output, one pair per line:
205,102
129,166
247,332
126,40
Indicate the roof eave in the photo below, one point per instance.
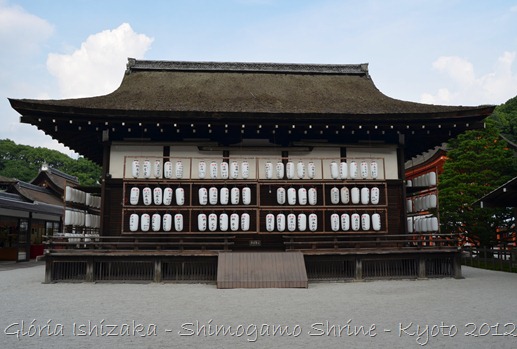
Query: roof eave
28,108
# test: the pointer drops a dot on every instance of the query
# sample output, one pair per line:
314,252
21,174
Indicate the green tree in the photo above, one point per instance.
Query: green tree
23,162
478,162
86,171
504,119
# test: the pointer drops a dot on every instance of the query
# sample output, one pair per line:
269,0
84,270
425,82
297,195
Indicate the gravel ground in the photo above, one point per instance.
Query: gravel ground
474,312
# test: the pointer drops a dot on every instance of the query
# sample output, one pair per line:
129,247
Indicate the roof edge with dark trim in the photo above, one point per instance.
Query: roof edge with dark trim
502,196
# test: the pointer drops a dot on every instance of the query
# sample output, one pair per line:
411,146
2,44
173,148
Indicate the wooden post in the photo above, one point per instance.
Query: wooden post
89,270
421,268
48,269
157,270
358,268
456,265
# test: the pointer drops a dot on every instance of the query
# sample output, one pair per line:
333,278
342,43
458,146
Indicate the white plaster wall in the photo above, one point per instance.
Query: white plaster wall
122,156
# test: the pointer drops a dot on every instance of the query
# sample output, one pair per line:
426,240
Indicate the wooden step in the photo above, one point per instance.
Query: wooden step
261,270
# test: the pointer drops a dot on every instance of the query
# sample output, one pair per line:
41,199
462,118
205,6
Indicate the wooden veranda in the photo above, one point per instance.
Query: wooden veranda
304,259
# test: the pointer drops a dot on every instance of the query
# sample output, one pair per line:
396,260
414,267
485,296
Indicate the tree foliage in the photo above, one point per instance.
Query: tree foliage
478,162
23,162
504,118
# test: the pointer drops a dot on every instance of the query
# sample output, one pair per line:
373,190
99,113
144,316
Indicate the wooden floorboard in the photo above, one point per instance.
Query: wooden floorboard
261,270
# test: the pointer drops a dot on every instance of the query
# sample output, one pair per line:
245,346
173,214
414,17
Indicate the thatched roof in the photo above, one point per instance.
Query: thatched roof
168,87
199,93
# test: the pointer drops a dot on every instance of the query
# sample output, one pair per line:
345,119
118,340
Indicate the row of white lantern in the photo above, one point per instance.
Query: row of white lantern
236,222
338,170
302,222
422,224
355,195
353,170
93,201
425,180
75,195
224,170
149,171
82,219
75,237
290,170
212,196
81,197
223,222
223,196
210,222
422,203
236,170
291,196
213,170
155,222
291,222
158,196
355,222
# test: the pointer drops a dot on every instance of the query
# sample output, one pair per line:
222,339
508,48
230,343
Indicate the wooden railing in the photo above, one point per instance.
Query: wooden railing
502,258
223,242
355,242
156,243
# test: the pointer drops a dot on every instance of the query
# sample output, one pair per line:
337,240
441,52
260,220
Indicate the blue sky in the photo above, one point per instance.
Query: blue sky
454,52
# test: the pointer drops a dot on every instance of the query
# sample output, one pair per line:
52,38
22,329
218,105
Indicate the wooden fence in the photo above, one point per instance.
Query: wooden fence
494,258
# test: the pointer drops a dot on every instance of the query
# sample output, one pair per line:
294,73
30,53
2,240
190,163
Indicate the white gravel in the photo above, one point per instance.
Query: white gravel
390,313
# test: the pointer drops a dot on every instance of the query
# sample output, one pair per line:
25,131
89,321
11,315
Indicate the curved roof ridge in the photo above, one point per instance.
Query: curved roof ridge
250,67
63,175
12,196
33,187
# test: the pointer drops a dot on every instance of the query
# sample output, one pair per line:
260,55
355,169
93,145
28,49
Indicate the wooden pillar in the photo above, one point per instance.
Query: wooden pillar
456,265
90,270
285,155
157,270
48,269
421,267
106,150
358,268
402,177
166,153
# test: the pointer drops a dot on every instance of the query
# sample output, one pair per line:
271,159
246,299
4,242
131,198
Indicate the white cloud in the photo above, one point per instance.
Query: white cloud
23,37
98,66
443,95
459,69
21,31
495,87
